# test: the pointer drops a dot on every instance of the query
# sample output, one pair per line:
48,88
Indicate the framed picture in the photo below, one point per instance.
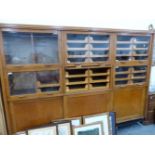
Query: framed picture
50,130
75,121
103,117
112,119
64,128
89,129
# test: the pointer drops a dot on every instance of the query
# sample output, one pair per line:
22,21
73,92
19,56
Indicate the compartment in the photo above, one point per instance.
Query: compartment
122,69
79,87
137,69
122,76
100,59
49,89
48,77
76,73
72,81
99,85
98,71
97,79
139,80
125,82
94,38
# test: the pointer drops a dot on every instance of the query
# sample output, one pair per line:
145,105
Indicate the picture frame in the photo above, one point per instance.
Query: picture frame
103,117
48,130
64,128
89,129
112,119
75,121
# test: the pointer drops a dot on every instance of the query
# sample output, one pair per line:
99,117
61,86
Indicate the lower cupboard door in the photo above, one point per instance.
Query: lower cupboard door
129,102
86,104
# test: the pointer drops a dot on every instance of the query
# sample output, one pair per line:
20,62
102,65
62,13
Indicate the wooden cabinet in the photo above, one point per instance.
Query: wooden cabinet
50,73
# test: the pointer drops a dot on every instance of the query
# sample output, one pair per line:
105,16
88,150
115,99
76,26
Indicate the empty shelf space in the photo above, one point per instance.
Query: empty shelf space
122,83
76,81
48,89
73,88
95,71
39,85
76,72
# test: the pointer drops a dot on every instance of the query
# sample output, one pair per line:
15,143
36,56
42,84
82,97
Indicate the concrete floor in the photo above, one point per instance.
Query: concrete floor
136,128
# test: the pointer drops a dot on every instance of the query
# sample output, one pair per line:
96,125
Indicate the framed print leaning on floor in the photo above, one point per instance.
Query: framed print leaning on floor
64,128
49,130
103,117
89,129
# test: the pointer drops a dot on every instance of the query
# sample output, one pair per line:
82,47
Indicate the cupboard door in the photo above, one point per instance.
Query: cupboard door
18,47
46,48
21,83
129,102
31,113
131,48
80,105
30,48
87,48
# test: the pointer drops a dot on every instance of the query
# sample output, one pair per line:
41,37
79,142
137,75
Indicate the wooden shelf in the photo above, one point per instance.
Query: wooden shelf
139,77
84,88
39,85
130,49
130,42
122,79
120,73
78,81
78,41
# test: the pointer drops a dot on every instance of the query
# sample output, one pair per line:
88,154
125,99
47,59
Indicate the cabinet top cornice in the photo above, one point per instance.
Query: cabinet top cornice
71,28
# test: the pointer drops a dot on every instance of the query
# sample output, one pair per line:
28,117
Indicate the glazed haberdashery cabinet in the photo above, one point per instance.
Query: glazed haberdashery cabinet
50,73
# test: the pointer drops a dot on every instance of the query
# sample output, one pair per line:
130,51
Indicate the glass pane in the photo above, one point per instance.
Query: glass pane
132,48
18,48
77,48
46,48
22,83
47,77
48,81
